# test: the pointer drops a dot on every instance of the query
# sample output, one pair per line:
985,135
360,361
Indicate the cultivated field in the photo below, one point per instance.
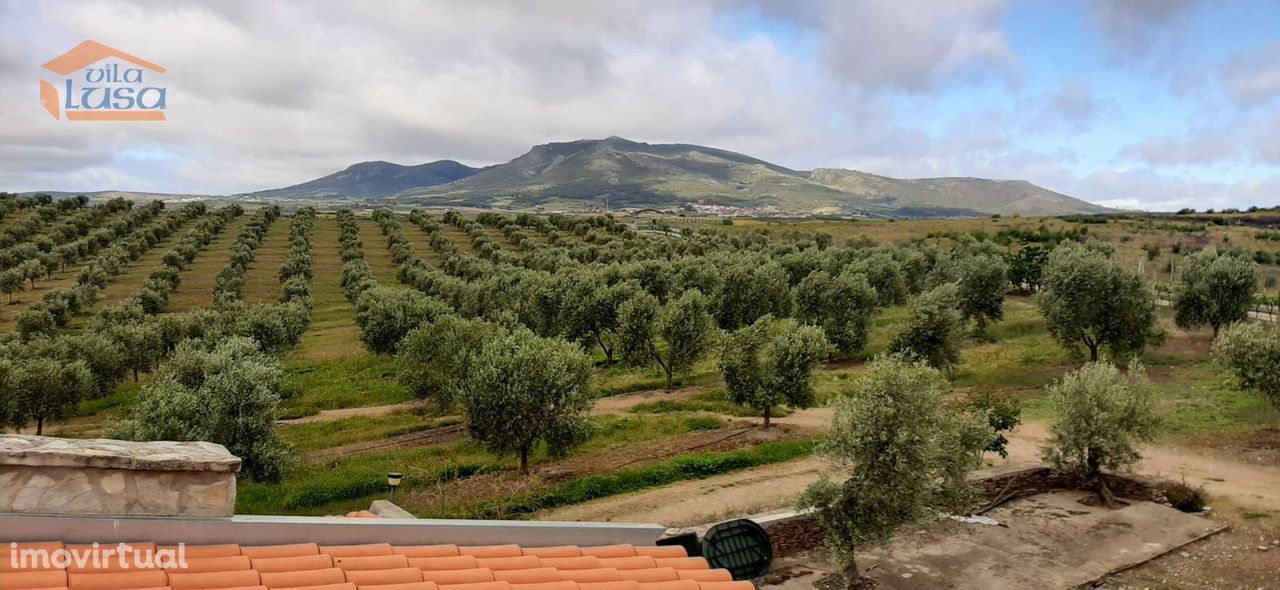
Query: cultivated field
681,455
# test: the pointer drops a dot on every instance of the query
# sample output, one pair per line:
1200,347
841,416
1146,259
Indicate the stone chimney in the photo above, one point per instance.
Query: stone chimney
47,475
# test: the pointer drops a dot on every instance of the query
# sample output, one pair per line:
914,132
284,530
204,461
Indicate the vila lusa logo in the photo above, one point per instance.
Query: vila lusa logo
101,83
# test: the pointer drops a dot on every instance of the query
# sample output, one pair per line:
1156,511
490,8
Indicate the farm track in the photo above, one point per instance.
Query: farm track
422,438
333,333
198,278
376,252
1223,474
616,404
261,279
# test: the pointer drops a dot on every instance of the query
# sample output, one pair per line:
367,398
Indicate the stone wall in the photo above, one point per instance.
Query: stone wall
46,475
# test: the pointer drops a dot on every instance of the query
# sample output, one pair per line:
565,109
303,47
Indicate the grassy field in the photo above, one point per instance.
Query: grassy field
261,282
198,277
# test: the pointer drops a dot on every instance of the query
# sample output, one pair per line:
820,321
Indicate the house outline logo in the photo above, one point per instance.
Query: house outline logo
117,93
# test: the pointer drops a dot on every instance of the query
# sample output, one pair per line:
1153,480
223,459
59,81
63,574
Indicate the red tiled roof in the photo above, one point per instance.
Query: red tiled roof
307,566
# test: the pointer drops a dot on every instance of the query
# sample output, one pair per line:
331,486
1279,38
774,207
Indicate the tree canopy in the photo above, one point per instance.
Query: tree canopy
1102,416
1217,289
771,363
1090,300
904,450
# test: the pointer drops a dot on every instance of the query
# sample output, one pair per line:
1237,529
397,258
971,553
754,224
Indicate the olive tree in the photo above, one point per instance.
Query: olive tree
982,280
225,393
1090,300
386,314
435,357
1102,416
674,336
41,389
12,281
1216,290
933,329
842,306
905,450
770,363
524,389
590,313
1251,352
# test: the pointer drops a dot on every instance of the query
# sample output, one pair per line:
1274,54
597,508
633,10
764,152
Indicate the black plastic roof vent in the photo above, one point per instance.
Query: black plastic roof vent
740,546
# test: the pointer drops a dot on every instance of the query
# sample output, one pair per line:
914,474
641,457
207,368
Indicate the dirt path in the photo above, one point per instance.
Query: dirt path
1225,476
610,405
326,415
695,502
758,490
422,438
617,404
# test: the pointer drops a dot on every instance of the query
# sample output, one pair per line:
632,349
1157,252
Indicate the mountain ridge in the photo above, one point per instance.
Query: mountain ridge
626,173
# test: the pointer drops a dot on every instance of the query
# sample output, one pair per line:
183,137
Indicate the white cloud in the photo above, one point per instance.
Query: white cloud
1251,77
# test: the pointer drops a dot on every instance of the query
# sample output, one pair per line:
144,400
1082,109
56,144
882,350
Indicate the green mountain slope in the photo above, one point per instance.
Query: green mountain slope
629,173
374,179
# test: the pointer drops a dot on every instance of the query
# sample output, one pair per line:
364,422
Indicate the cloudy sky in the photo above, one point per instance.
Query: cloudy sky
1155,104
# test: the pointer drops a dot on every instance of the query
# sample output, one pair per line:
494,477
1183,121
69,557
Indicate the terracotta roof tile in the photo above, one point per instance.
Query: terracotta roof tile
35,579
209,580
380,566
300,563
403,575
492,551
304,578
528,576
366,550
281,550
521,562
458,562
426,550
371,562
405,586
561,551
562,585
610,551
213,564
459,576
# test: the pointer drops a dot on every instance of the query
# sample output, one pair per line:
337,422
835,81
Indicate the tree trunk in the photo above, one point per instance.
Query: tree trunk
768,413
668,380
135,374
1104,492
1216,327
1093,352
39,425
852,577
1099,482
524,460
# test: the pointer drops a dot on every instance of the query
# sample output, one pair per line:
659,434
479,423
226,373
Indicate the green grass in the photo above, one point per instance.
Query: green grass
620,379
351,482
711,401
363,380
313,436
592,487
1196,401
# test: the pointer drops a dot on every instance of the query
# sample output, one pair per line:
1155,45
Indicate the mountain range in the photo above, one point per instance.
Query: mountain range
621,173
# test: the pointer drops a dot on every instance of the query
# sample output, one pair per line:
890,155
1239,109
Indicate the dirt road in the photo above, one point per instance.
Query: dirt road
1243,484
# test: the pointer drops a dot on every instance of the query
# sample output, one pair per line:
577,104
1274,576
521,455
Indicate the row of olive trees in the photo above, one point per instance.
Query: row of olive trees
48,247
43,213
57,306
228,287
222,381
34,265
